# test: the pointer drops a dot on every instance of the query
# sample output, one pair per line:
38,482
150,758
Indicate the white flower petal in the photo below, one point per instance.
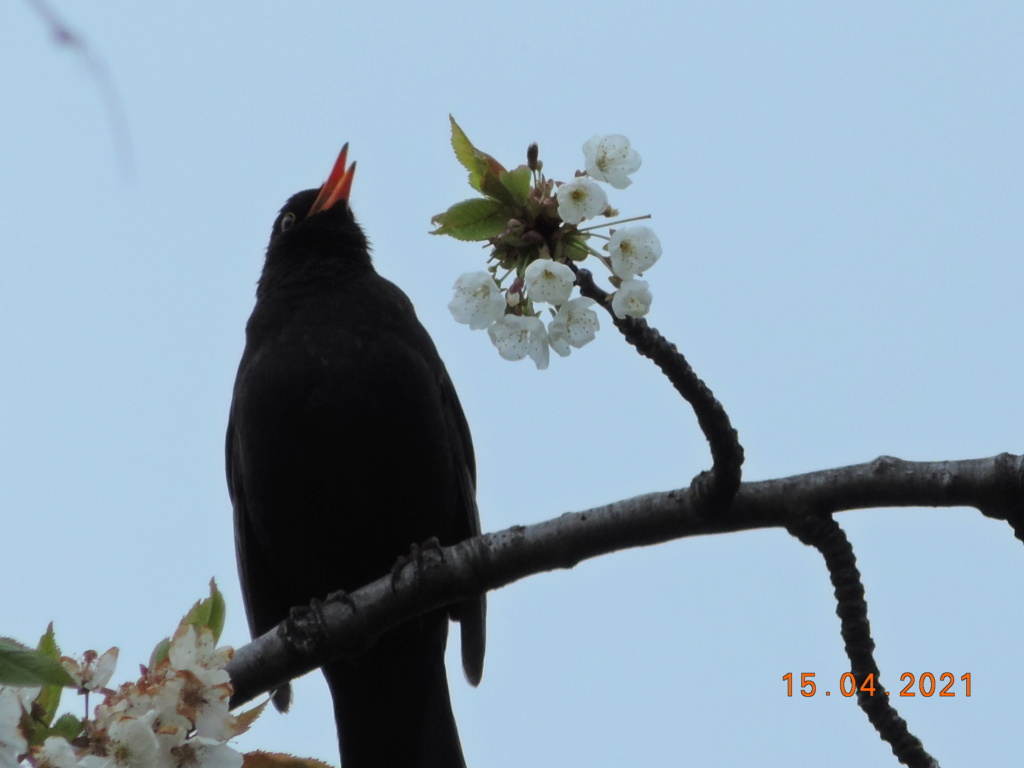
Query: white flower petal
548,281
633,251
478,300
611,159
104,670
132,742
12,742
208,753
56,753
574,325
580,199
633,299
517,336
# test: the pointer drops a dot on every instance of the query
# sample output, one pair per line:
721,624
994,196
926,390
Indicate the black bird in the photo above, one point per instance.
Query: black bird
346,444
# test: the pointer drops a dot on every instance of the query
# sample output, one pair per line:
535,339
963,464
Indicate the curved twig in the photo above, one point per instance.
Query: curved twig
824,534
717,487
67,38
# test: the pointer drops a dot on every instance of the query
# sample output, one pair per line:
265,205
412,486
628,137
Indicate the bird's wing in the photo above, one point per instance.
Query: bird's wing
471,614
254,569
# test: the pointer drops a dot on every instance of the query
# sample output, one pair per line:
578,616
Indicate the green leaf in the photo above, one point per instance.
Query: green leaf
491,186
159,653
208,613
477,219
509,187
244,720
465,152
68,726
218,611
575,247
473,160
519,182
49,697
23,666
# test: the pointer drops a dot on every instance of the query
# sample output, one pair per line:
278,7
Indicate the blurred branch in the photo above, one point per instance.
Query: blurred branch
995,486
65,37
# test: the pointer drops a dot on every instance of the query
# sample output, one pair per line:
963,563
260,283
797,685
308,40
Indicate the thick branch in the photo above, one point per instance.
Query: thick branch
994,485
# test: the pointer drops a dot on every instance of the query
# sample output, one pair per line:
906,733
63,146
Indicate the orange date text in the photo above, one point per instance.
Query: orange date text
943,685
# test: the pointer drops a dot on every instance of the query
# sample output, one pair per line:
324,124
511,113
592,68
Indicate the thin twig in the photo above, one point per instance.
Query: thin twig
65,37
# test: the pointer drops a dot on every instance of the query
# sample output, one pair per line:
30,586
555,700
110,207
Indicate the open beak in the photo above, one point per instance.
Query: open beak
338,185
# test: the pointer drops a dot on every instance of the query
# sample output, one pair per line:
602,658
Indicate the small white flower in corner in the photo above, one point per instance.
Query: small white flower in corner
517,336
12,742
207,753
548,281
56,753
580,199
132,743
574,325
478,300
633,251
93,671
633,299
611,159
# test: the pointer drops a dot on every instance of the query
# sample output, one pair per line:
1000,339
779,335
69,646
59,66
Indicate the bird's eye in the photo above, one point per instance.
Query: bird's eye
286,221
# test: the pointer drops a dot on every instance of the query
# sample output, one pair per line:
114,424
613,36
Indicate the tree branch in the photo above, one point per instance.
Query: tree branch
994,485
722,481
65,37
824,534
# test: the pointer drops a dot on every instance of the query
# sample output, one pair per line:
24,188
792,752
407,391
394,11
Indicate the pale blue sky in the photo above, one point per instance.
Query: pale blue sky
838,191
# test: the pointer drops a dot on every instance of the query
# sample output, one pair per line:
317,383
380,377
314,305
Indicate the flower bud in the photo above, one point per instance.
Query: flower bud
532,153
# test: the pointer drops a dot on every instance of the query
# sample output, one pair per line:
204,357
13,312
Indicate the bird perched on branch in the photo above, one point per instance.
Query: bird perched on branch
346,443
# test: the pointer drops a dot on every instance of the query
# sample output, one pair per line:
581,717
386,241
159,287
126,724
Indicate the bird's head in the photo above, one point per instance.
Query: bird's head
316,226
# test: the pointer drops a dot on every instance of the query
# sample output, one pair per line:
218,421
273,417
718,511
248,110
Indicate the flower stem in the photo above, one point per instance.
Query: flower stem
613,223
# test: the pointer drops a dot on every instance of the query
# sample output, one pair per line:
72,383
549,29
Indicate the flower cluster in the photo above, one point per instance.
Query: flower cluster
174,716
533,225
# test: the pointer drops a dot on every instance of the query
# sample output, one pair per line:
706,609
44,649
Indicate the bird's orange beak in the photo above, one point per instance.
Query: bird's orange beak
338,184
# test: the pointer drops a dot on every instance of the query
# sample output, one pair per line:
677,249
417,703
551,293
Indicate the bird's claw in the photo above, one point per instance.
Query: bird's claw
305,629
341,596
416,557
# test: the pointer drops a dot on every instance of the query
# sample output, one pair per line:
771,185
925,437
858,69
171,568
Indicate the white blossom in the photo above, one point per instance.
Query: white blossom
197,686
201,752
633,251
574,325
549,281
580,199
94,671
633,299
478,300
12,741
517,336
611,159
171,733
197,652
129,701
132,745
56,753
27,694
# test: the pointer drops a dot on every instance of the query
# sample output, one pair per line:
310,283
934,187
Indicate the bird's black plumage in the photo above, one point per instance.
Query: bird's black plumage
346,444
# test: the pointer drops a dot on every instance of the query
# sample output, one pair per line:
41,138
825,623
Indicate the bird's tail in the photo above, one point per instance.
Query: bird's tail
391,705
